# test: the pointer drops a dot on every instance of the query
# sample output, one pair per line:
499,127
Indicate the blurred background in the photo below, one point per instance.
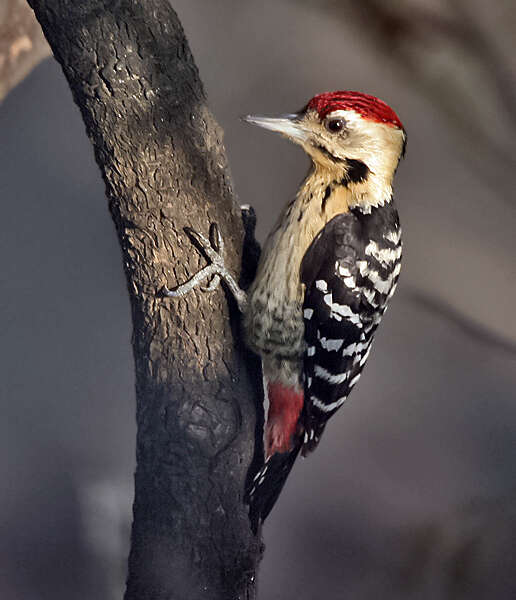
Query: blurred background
412,493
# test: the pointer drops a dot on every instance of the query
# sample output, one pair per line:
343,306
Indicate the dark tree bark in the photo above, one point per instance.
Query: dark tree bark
160,151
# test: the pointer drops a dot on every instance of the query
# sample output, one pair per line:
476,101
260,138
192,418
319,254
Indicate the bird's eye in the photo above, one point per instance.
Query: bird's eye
335,125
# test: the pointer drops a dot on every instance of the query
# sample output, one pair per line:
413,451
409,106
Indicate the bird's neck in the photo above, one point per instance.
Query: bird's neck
323,195
344,189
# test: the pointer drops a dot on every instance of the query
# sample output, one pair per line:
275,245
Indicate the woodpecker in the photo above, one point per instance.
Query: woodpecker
326,273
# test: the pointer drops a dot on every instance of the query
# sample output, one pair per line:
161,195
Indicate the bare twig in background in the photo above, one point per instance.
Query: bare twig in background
133,77
22,44
452,56
479,333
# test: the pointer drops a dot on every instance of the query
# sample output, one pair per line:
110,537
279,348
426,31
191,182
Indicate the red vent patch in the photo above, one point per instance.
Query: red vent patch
285,405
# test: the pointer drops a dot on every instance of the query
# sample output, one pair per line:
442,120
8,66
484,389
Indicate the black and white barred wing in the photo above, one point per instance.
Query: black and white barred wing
339,322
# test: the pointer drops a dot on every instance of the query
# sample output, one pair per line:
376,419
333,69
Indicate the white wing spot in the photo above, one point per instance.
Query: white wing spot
341,310
363,267
330,377
383,285
365,357
355,348
393,289
346,312
385,256
393,236
354,380
327,407
329,344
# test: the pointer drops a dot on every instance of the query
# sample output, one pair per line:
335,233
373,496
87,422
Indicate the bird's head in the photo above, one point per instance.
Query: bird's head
350,135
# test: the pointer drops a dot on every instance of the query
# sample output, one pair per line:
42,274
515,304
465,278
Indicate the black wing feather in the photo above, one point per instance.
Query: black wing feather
338,321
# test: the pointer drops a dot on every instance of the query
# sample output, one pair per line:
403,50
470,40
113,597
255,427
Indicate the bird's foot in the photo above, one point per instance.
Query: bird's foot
213,249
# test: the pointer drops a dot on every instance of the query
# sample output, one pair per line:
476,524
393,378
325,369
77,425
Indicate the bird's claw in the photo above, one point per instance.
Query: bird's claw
213,285
213,249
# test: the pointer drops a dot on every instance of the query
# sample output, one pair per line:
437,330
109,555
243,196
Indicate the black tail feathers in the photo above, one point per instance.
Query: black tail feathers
268,483
312,436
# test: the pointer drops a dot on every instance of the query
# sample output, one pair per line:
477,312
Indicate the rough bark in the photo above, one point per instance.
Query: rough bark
22,45
160,151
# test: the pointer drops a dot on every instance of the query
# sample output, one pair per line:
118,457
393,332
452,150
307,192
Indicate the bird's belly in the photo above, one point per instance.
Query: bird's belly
273,321
274,324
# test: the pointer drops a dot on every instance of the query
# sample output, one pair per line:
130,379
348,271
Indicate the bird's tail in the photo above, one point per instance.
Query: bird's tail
312,435
268,483
283,441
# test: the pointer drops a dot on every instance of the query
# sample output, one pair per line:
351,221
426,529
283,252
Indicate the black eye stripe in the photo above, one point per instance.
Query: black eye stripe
328,154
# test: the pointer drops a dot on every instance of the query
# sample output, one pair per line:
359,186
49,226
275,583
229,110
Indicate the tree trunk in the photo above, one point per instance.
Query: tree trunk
160,151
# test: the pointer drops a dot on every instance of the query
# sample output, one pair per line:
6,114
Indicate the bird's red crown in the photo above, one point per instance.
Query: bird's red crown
369,107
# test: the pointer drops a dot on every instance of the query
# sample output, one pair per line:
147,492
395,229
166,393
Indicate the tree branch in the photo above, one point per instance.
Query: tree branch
475,330
160,151
22,45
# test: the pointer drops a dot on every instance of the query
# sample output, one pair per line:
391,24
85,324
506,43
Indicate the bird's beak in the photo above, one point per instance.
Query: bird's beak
288,125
